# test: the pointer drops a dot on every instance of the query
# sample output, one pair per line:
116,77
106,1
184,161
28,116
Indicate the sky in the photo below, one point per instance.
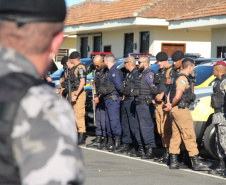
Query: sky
72,2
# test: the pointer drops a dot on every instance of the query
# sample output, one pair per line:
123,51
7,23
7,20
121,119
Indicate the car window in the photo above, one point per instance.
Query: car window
203,73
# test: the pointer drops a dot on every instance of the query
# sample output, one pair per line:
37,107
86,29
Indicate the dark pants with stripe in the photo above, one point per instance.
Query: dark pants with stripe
100,119
128,121
144,130
112,116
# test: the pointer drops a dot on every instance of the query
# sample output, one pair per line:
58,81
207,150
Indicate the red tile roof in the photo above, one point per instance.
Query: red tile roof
92,11
219,8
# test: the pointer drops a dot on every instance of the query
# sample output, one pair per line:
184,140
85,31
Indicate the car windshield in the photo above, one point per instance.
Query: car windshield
203,73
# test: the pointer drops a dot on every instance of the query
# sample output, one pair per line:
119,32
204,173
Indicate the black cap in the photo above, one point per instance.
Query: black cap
161,56
188,60
25,11
74,54
177,55
64,60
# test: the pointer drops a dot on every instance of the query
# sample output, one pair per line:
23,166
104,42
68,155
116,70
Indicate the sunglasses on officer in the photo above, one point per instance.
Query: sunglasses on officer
139,62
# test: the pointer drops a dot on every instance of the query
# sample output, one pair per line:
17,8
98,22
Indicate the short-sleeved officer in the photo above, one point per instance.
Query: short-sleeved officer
100,129
182,124
144,88
38,133
111,89
219,121
162,117
78,95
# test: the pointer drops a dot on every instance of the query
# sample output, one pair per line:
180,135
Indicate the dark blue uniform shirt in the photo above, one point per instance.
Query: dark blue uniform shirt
115,76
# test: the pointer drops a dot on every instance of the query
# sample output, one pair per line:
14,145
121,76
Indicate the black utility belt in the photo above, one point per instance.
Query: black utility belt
74,88
128,98
183,105
139,102
114,97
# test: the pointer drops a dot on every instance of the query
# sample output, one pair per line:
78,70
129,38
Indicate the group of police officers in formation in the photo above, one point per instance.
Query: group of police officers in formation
169,91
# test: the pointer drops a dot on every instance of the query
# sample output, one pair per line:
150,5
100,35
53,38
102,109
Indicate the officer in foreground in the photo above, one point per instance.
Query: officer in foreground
128,113
162,117
100,129
181,96
218,102
111,89
78,95
144,129
35,140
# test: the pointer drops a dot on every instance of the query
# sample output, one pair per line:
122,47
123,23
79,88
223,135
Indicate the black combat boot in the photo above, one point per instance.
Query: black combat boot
81,138
197,164
95,142
219,169
124,148
110,144
148,153
117,145
103,145
165,156
174,164
138,153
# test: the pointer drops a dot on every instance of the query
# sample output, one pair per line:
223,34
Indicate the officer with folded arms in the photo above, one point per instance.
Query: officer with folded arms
111,89
180,97
218,103
144,88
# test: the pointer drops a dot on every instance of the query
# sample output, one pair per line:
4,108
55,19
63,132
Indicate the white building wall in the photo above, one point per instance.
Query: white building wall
69,43
218,38
196,41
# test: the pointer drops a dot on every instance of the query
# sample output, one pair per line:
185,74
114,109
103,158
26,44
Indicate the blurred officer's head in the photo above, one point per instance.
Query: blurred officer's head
33,28
162,60
188,64
177,57
74,57
109,60
98,62
130,63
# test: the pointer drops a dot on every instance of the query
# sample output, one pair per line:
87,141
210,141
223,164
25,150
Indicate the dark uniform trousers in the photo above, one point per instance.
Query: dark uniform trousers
221,139
164,125
144,129
112,117
100,118
182,129
128,121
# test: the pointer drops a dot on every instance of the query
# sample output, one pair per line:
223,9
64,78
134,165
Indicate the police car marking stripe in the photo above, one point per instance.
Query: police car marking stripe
147,161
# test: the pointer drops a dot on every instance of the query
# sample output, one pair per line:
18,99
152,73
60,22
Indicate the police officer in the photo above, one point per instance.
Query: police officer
78,95
100,105
162,117
219,89
63,88
182,125
39,137
111,89
128,113
144,130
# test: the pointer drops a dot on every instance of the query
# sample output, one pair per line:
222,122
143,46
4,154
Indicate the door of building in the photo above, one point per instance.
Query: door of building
128,47
170,48
144,42
96,43
84,47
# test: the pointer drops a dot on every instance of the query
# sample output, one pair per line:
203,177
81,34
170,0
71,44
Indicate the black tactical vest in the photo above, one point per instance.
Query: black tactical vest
160,79
187,96
129,83
141,89
74,80
106,86
217,98
98,76
12,89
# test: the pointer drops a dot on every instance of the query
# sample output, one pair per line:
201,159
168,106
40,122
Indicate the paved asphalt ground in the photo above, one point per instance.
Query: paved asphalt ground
106,168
